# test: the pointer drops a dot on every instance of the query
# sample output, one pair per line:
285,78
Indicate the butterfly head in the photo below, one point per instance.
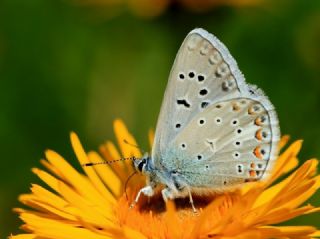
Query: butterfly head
142,164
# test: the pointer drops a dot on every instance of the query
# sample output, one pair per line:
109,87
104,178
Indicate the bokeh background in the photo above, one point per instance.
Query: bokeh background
77,65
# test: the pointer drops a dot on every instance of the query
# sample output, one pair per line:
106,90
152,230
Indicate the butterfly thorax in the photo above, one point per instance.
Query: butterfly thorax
157,176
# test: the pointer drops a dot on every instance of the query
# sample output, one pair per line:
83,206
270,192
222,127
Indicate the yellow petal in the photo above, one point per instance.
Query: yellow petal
123,136
286,184
151,137
88,211
51,168
47,178
90,171
24,236
307,192
287,231
283,214
79,182
173,221
132,234
116,155
48,228
283,141
286,161
315,234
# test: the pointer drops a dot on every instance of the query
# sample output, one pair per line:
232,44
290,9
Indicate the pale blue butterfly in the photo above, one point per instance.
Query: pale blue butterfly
214,131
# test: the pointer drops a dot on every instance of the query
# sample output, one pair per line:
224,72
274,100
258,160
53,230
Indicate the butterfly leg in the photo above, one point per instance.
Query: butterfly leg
167,193
191,200
147,190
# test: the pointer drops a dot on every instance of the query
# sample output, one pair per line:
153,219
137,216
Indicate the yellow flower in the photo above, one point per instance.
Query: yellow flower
93,205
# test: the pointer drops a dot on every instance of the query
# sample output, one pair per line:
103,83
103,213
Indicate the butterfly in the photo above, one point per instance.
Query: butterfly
214,131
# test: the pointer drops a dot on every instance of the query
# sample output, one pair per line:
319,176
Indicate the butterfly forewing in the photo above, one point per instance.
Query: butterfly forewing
199,77
213,127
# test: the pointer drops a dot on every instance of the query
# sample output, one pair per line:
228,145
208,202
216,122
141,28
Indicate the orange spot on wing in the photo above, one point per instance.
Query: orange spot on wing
235,107
257,152
259,134
252,173
258,121
251,110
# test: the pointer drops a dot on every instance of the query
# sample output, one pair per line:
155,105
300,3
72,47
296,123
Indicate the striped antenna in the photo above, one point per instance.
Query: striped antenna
108,162
133,145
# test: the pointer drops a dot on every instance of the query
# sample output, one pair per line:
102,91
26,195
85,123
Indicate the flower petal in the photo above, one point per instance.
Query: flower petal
172,220
109,153
151,137
79,182
123,136
24,236
286,161
90,171
283,141
49,228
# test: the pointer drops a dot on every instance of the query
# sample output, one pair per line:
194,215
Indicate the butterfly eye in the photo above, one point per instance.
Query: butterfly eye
178,126
199,157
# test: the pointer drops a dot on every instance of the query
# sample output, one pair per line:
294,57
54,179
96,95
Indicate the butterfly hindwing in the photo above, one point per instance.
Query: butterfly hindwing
230,142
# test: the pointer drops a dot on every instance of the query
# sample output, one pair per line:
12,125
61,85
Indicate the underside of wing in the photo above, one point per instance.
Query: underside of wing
230,142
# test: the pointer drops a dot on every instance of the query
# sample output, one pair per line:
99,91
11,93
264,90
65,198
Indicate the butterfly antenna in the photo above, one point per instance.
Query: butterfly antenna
126,184
134,145
107,162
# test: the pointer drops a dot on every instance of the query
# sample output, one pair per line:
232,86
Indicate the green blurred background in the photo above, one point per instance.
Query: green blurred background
78,65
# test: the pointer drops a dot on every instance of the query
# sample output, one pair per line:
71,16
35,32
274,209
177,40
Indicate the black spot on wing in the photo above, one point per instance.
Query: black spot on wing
184,103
